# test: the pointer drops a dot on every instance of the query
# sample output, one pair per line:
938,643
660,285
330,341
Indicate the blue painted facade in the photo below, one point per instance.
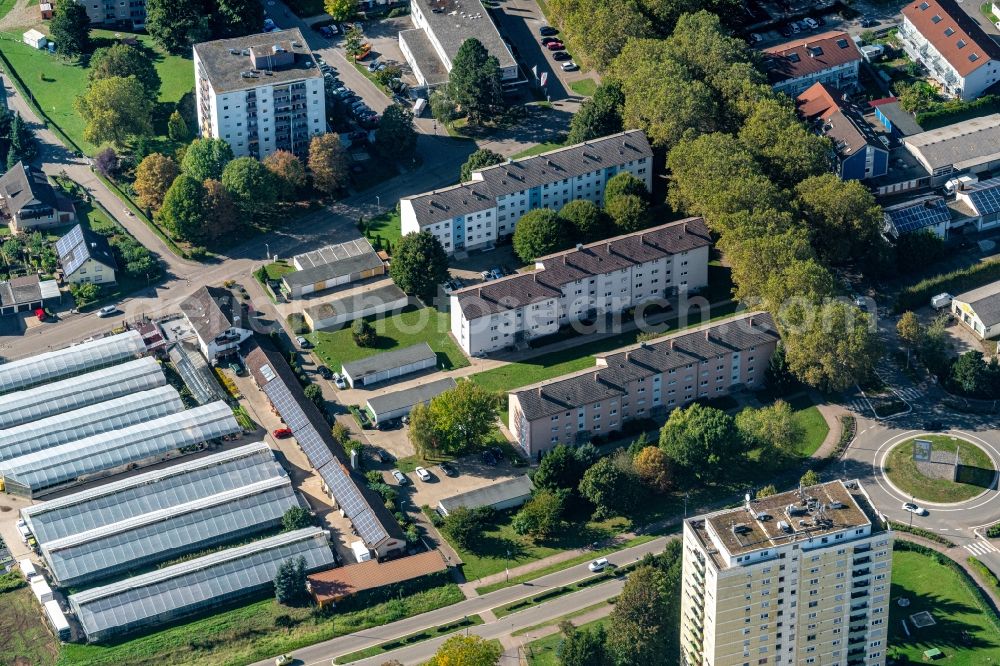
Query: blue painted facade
886,123
458,232
535,198
852,167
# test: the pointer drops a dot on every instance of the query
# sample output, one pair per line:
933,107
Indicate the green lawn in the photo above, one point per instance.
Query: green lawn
249,633
385,226
542,652
419,637
278,268
400,330
936,588
535,150
975,474
26,637
585,87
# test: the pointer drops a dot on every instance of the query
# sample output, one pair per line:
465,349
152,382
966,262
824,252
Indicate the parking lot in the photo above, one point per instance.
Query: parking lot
473,474
882,16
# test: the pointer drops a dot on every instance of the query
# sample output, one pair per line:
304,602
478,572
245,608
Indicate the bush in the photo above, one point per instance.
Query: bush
988,576
297,323
954,282
994,531
11,581
922,533
953,111
432,515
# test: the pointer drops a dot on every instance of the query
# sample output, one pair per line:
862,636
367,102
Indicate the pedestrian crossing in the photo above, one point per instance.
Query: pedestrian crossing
981,548
910,394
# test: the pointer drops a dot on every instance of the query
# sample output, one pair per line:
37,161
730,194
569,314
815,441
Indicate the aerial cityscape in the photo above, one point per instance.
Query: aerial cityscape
492,332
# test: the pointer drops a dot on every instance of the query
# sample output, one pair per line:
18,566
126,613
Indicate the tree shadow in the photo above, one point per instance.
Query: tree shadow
947,633
976,476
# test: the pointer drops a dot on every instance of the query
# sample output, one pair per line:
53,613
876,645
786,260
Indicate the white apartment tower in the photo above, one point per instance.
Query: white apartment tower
797,578
260,93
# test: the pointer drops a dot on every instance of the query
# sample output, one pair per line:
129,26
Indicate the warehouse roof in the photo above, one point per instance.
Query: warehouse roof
268,58
335,584
985,301
67,462
390,402
495,493
108,383
140,600
390,360
158,535
151,491
960,144
92,420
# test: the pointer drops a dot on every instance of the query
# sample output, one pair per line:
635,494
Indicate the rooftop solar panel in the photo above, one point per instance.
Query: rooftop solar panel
291,412
919,215
985,196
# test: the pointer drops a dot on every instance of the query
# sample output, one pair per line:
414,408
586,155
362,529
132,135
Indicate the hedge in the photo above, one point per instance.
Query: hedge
993,531
11,581
922,533
947,113
988,576
954,282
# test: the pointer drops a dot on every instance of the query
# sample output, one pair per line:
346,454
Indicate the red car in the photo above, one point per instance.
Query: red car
282,433
555,46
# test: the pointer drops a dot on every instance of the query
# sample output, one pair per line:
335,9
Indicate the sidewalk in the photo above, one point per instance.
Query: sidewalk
831,413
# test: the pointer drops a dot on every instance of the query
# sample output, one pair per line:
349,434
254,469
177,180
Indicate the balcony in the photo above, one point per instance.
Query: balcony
859,595
857,573
862,617
858,584
859,561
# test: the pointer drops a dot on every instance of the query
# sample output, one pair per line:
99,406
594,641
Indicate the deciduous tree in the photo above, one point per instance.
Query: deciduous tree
829,345
206,158
183,210
629,212
106,162
458,420
559,469
419,265
70,29
639,627
474,82
122,60
329,163
341,10
766,491
467,651
810,478
363,333
222,218
251,185
115,109
177,24
910,331
289,172
788,151
844,220
772,428
622,184
396,137
295,518
153,177
583,646
177,129
541,516
653,468
700,440
480,159
598,116
586,221
540,232
235,18
465,525
612,486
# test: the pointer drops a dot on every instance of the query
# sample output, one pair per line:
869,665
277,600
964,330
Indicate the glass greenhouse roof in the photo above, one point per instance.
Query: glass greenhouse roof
171,486
66,462
89,389
91,420
74,360
160,535
192,585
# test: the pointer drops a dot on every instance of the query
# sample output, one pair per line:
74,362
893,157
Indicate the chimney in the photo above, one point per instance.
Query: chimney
671,344
706,333
579,246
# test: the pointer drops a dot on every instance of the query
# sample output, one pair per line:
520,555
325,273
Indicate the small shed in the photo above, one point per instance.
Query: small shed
398,404
57,619
503,495
41,589
46,10
35,39
360,550
389,365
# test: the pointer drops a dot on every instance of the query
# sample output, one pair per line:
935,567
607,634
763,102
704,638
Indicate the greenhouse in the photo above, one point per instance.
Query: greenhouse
69,394
71,361
114,451
184,482
183,589
162,535
91,420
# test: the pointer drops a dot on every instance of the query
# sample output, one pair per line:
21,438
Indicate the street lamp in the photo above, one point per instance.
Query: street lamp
506,565
378,202
267,248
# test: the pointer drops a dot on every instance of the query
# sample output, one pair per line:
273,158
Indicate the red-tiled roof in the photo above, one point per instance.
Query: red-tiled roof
819,101
955,34
810,55
334,584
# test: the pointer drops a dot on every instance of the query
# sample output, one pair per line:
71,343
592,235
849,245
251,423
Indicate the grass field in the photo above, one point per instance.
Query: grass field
542,652
278,268
401,330
385,226
535,150
249,633
25,637
585,87
933,587
975,475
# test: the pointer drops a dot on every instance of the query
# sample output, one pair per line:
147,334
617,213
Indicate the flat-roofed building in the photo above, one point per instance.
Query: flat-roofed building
379,298
979,310
335,584
831,58
968,146
501,495
389,365
398,404
643,381
332,266
800,577
475,214
608,276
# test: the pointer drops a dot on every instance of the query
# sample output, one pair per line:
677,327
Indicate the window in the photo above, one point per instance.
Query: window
949,31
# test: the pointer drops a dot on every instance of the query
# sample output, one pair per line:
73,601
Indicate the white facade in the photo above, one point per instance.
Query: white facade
966,87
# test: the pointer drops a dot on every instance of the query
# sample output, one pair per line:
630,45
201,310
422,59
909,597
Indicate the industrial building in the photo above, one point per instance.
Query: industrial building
332,266
968,146
796,578
389,365
183,589
398,404
508,494
979,310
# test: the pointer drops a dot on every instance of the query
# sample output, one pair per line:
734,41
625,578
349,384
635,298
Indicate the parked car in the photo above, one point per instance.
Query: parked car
107,311
915,509
555,46
383,456
756,38
548,40
547,30
448,469
236,368
810,23
282,433
569,66
867,22
561,55
283,660
339,381
598,565
325,372
422,474
785,30
400,478
305,344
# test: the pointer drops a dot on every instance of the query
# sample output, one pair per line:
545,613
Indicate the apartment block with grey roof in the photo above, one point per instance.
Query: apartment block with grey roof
475,214
608,276
643,381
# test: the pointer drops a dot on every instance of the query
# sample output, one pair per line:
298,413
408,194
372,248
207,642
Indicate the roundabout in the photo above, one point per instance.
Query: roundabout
939,469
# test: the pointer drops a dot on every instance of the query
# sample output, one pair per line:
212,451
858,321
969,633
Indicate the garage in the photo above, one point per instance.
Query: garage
398,404
389,365
498,496
332,266
336,313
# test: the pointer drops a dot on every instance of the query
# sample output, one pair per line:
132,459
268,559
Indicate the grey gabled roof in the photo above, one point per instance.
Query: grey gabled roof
490,495
79,245
390,402
333,261
389,360
213,310
23,186
965,142
985,301
23,290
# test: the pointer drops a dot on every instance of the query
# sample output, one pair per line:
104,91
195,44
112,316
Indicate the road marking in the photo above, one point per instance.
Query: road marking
981,548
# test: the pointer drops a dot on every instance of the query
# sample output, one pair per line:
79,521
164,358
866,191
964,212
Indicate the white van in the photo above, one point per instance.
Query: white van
419,106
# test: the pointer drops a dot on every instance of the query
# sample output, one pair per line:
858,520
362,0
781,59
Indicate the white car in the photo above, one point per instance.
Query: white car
283,660
107,311
598,565
915,509
400,479
422,474
339,381
569,66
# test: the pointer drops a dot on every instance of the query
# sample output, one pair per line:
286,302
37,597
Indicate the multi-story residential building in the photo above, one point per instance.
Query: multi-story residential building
607,276
475,214
796,578
860,154
831,58
260,93
643,381
956,51
128,13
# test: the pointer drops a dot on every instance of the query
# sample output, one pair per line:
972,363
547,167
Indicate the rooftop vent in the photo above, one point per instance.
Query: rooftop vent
793,57
741,528
924,6
784,527
234,51
245,52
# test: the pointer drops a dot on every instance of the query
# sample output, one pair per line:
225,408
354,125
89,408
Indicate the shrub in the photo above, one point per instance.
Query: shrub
297,323
954,282
11,581
994,531
922,533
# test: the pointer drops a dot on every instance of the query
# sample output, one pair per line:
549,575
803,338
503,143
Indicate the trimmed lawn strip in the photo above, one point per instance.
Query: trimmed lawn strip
561,618
277,269
585,87
248,633
385,226
426,634
536,150
975,472
808,417
407,328
548,595
542,652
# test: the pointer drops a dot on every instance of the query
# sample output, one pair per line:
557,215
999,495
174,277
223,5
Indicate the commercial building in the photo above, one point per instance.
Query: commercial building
28,201
502,495
643,381
351,495
184,589
27,293
607,276
260,93
440,27
979,202
979,310
85,257
332,266
475,214
860,154
220,319
958,53
796,578
969,146
75,462
380,299
389,365
831,58
130,14
929,212
398,404
335,584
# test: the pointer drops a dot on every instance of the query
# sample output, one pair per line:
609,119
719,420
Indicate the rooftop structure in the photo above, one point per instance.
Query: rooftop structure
830,57
500,495
332,266
336,584
26,293
86,257
221,320
243,63
389,365
969,145
65,395
186,588
979,309
399,403
95,419
860,153
161,489
927,212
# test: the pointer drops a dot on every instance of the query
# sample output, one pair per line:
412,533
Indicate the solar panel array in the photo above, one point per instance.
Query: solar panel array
161,535
919,216
185,588
72,250
151,491
291,411
68,462
985,196
93,420
62,396
50,366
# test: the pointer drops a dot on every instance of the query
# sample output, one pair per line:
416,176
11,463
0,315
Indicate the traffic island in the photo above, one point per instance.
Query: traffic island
942,469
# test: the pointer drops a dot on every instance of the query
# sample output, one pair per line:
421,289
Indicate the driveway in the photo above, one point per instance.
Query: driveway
473,474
